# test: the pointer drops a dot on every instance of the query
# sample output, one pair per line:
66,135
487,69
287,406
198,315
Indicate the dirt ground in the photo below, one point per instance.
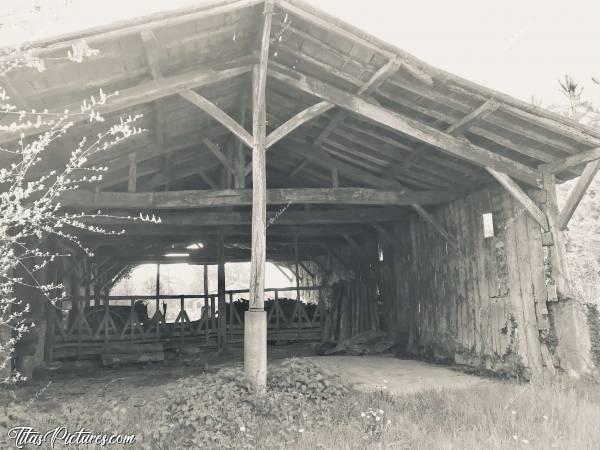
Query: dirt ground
135,384
396,376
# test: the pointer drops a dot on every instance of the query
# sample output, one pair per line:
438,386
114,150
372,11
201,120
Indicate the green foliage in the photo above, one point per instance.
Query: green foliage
222,410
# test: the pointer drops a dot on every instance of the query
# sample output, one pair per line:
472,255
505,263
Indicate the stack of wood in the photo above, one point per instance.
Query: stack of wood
353,310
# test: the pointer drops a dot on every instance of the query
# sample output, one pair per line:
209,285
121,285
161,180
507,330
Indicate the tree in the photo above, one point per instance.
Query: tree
30,211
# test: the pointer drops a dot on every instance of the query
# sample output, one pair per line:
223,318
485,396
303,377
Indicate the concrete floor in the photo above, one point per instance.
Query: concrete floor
397,376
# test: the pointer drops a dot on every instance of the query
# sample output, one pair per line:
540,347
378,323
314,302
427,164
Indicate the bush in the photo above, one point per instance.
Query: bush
222,410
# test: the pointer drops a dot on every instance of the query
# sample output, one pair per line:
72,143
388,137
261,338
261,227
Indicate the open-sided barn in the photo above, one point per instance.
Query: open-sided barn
424,204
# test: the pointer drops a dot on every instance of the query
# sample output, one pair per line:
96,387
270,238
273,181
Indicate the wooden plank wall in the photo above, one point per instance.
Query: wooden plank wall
350,295
481,305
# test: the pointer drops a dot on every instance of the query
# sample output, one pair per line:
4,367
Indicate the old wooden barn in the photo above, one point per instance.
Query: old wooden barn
415,202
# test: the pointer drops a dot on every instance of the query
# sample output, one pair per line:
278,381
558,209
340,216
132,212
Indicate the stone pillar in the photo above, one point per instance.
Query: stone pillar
255,348
571,331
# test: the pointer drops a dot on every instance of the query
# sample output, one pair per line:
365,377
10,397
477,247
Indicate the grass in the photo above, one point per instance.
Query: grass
494,415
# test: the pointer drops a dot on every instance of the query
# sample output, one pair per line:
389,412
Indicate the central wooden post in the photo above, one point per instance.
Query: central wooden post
255,319
222,326
255,323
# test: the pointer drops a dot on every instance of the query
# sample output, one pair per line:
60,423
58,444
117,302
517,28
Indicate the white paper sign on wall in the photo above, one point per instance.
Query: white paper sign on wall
488,225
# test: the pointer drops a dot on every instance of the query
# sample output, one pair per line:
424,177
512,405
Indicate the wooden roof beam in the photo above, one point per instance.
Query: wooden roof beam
145,229
571,161
242,197
584,181
375,81
181,172
214,148
300,118
316,217
144,93
457,147
518,194
153,60
219,115
385,234
436,226
456,128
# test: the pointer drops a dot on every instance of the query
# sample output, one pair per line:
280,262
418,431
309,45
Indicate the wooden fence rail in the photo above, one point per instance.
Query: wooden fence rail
83,329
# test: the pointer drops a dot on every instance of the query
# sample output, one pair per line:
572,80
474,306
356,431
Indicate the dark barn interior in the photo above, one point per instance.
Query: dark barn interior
420,203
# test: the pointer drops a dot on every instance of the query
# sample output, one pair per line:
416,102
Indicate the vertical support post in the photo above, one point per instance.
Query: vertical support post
255,329
222,327
131,184
182,323
132,324
207,318
230,316
106,317
157,282
239,162
276,309
297,273
97,285
558,258
335,179
157,314
88,288
297,268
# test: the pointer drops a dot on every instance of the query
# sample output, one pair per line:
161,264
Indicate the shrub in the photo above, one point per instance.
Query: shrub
221,410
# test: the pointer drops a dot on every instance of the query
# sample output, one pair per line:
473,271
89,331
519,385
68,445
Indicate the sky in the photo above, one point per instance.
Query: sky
520,47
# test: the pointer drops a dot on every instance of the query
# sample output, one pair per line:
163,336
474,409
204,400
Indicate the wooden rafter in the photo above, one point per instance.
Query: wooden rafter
300,118
385,234
571,161
350,240
518,194
374,82
219,115
182,172
436,226
363,176
371,85
214,148
590,171
144,93
153,59
457,147
456,128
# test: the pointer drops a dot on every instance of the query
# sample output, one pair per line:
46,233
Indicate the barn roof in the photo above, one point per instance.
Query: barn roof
379,113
